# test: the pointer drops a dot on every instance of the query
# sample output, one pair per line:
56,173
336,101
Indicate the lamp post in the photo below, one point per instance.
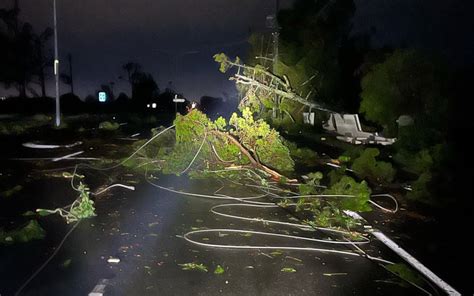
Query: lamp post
56,66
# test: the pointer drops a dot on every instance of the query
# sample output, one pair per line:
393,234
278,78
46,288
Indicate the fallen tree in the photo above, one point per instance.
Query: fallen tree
203,144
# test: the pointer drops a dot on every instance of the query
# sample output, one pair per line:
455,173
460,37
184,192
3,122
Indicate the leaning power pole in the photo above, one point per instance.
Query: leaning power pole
276,35
56,66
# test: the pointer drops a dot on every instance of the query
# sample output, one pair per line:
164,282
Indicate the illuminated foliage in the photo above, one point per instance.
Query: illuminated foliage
406,273
81,208
420,189
328,211
366,166
262,140
302,155
109,126
223,60
200,144
348,186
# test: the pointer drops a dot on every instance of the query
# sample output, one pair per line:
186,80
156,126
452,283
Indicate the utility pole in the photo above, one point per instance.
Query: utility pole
56,66
276,35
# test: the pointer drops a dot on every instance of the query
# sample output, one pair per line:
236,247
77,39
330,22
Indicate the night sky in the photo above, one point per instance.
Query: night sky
175,39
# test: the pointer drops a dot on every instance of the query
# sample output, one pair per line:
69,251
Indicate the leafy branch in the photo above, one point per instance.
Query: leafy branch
81,208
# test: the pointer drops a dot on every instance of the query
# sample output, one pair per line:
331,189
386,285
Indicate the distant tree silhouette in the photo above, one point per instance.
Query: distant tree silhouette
122,97
166,105
68,78
22,54
131,69
42,60
143,86
90,99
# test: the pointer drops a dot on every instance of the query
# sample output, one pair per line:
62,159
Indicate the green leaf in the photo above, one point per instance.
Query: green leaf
28,213
405,273
43,212
11,191
219,270
66,263
288,269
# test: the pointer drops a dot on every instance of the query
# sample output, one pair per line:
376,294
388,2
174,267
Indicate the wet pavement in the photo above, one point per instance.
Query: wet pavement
144,229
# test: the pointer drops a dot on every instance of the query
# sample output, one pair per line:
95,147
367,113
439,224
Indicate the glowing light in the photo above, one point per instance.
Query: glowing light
153,105
102,96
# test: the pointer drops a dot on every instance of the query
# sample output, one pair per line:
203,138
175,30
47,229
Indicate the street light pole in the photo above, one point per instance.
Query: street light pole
56,66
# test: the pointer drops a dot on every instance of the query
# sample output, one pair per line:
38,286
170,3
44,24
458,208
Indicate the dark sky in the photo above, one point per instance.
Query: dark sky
168,37
443,26
175,39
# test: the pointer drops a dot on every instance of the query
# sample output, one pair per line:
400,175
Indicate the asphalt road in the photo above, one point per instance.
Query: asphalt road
144,229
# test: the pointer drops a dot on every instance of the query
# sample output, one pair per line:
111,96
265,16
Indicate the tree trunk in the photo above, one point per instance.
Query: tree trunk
22,89
69,56
274,174
42,82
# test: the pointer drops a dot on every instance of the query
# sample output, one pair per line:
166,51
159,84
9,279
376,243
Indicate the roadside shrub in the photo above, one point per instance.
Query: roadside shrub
30,231
302,155
421,161
109,126
420,189
41,117
366,166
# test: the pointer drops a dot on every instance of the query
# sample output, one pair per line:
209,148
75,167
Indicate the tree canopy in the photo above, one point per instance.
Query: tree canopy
407,82
23,57
312,34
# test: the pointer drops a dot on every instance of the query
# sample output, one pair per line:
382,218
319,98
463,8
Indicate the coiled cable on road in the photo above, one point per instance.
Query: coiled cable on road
251,203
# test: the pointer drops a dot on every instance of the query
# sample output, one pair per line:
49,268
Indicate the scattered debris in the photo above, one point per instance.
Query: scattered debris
347,128
193,266
266,255
113,260
335,274
288,269
46,146
294,258
67,156
276,253
81,208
